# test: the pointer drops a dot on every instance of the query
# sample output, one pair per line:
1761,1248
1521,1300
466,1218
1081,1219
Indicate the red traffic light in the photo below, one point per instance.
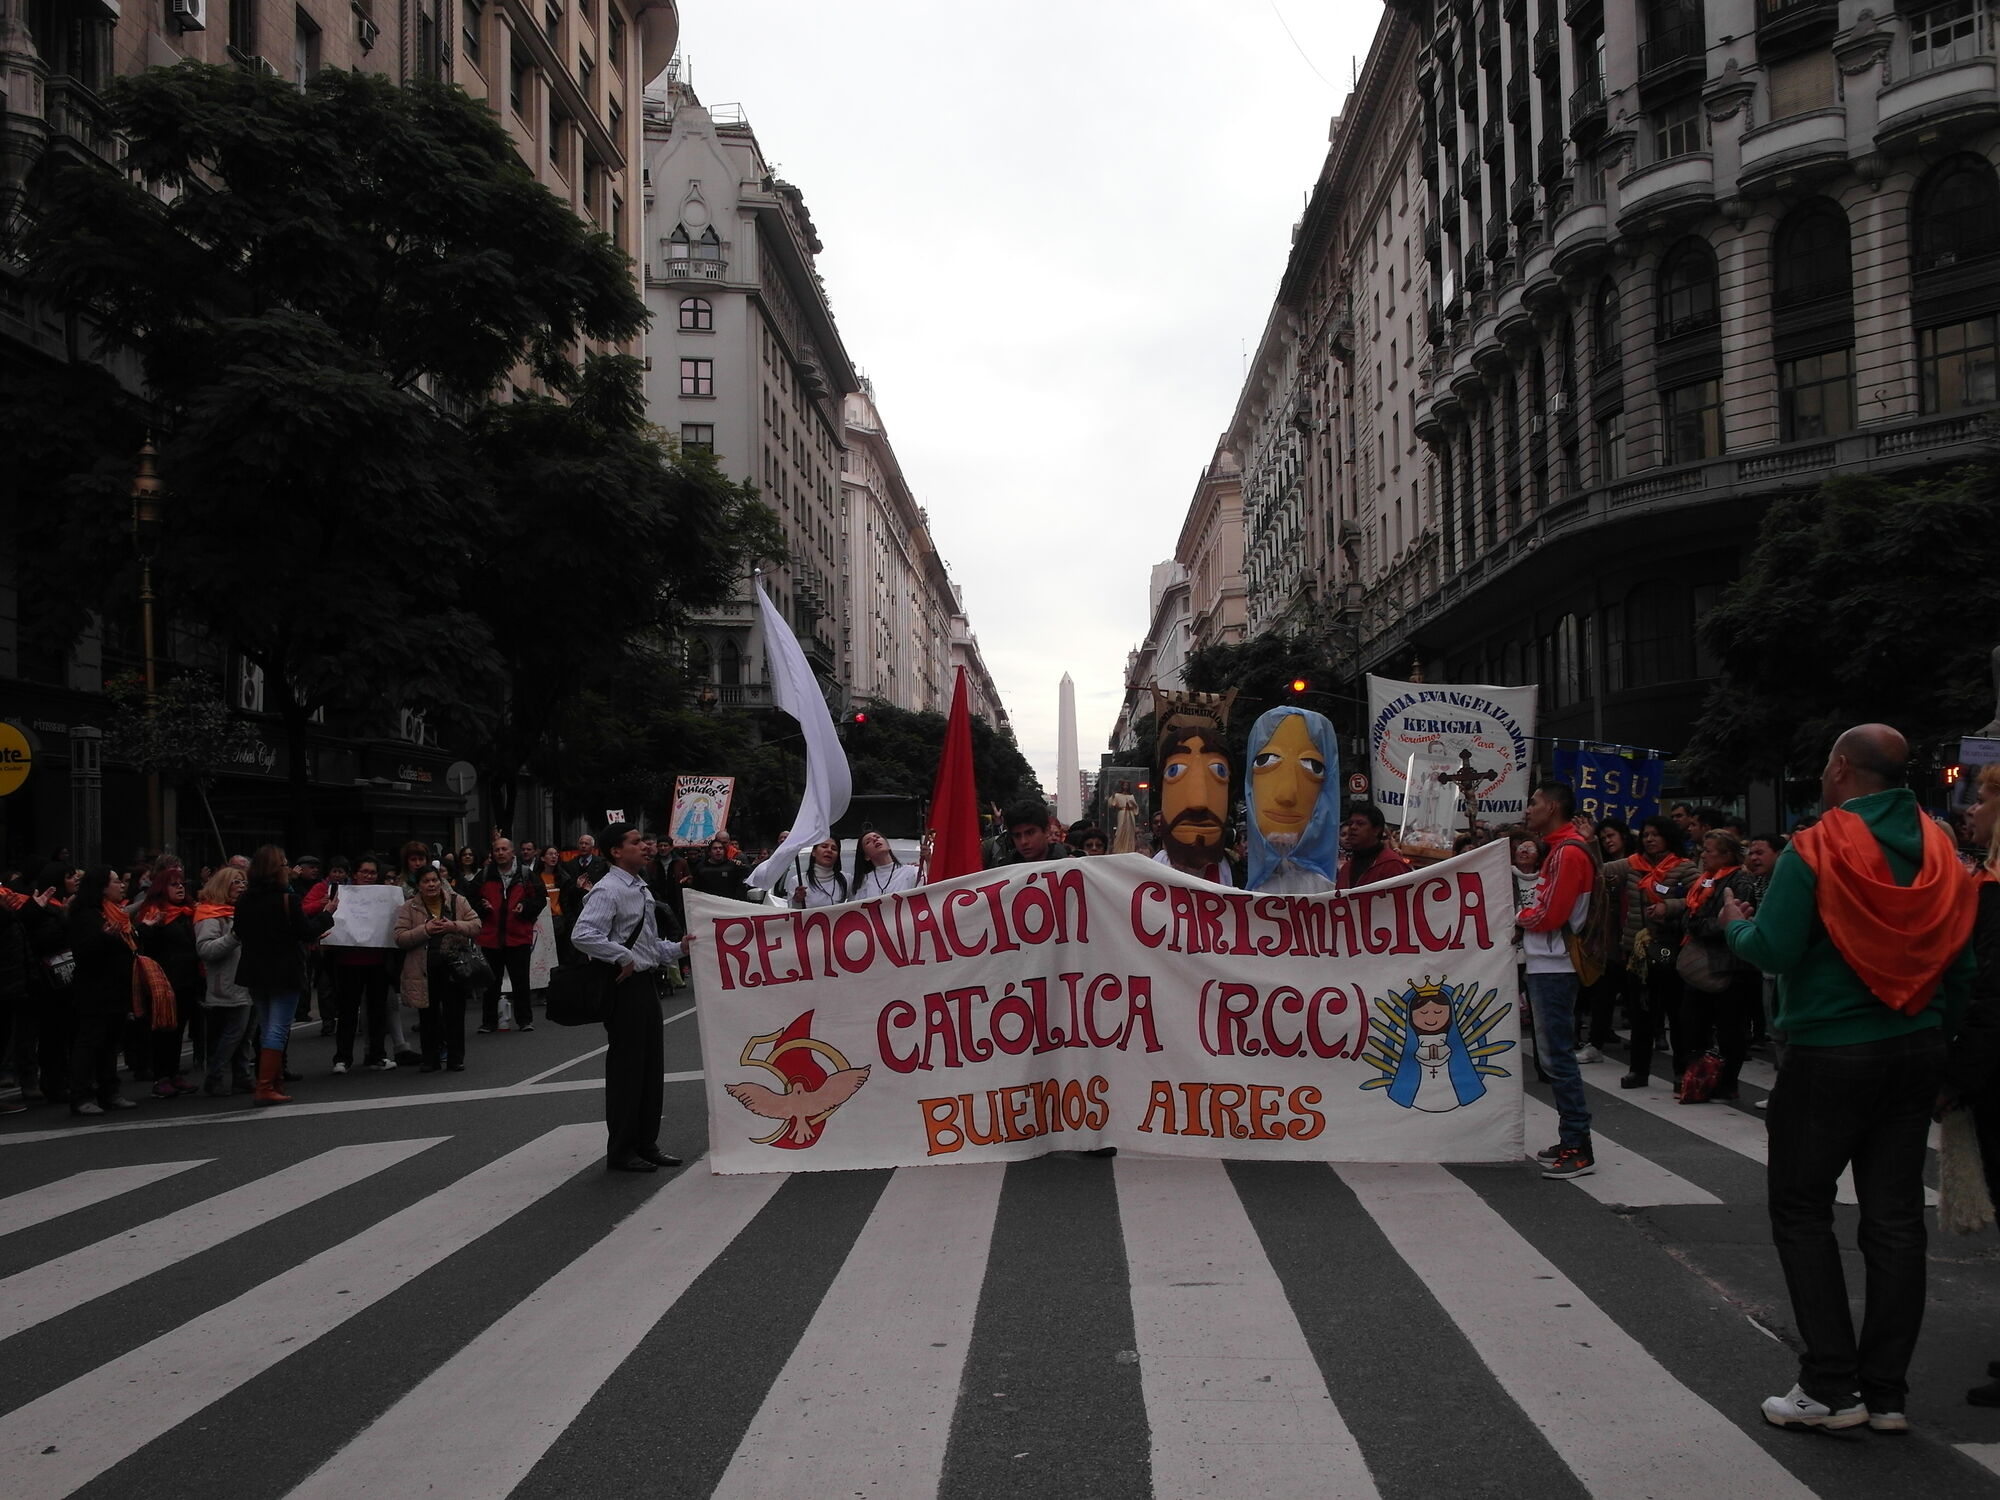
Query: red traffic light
859,717
1298,684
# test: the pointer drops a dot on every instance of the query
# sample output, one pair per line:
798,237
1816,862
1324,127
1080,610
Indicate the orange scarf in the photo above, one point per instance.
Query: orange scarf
1898,939
1705,887
116,920
208,911
13,900
1647,868
159,914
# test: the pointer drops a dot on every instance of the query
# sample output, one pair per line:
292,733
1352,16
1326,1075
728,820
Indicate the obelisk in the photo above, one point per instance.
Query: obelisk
1069,776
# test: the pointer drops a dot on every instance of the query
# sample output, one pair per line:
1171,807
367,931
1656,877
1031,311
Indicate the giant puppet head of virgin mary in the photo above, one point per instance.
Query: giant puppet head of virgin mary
1291,789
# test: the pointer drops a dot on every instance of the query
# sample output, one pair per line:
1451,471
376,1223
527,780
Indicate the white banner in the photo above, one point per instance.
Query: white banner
1114,1002
1435,721
365,917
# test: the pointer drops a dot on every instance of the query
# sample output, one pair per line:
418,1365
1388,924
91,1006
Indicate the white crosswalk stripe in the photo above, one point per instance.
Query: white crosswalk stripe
82,1190
870,1383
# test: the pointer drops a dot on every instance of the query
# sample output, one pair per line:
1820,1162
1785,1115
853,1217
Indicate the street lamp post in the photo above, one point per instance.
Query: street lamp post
146,542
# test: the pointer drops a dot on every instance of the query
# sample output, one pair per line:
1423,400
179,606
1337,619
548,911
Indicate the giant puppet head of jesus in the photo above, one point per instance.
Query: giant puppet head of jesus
1194,775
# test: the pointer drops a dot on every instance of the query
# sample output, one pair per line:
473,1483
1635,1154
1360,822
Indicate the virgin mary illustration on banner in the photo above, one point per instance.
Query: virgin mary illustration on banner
1430,1045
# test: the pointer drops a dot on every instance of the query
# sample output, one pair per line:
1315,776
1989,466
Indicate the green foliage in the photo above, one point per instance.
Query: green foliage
896,754
1863,600
188,736
1262,671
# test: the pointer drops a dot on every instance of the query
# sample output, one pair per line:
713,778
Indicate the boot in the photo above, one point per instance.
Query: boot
270,1067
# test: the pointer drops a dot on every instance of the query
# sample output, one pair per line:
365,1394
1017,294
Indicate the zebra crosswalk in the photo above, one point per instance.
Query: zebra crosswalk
496,1317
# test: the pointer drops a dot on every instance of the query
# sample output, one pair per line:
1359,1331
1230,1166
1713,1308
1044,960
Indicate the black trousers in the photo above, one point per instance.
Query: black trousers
354,985
1656,1004
93,1057
43,1028
441,1024
633,1067
511,963
1720,1020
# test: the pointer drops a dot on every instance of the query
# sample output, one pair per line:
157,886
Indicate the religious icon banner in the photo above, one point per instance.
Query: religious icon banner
1430,721
1611,781
1114,1001
701,809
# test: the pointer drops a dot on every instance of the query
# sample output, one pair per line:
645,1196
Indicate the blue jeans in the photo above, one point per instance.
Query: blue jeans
1552,1000
274,1019
1869,1105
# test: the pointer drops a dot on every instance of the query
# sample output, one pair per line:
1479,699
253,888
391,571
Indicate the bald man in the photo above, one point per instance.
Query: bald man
1867,924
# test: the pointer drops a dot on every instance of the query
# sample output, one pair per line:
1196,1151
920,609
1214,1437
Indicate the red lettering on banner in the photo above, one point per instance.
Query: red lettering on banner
924,924
1431,938
958,944
897,1014
732,939
1232,1111
968,1025
1143,892
1237,1019
1310,1122
1471,911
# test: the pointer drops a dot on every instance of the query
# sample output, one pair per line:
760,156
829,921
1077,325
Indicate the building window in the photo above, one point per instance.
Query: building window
1692,417
586,73
1687,290
709,246
1811,255
1608,344
614,38
558,135
1611,446
552,24
1956,214
1954,32
1658,633
697,377
471,14
698,435
617,219
242,28
517,83
305,48
1957,363
1802,84
697,316
1816,396
1677,129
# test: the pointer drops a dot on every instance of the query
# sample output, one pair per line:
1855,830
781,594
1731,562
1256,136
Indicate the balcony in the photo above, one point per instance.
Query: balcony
1946,84
1470,180
1493,141
1653,198
1675,50
1468,89
684,269
1586,110
1448,132
79,121
1433,242
1521,202
1517,94
1792,153
743,695
1489,39
1581,237
1496,238
1788,26
1549,160
1548,49
1448,210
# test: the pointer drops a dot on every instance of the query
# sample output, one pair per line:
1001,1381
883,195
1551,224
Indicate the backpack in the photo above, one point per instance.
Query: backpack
1591,947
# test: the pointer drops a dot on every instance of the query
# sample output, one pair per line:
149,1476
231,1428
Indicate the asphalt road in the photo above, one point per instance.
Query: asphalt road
408,1285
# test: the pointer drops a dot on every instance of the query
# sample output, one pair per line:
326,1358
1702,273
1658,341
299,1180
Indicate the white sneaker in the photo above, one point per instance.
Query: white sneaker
1888,1421
339,1068
384,1064
1797,1409
1589,1055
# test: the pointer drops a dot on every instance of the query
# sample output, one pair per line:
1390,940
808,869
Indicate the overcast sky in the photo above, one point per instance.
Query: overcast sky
1052,231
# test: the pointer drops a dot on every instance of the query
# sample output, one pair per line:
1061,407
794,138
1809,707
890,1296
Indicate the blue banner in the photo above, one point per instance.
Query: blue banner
1611,781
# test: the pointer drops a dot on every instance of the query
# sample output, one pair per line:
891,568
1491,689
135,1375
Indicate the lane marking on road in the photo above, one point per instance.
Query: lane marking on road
1624,1178
296,1111
547,1073
479,1422
65,1439
82,1190
864,1405
1235,1400
1983,1453
1720,1123
56,1286
1621,1422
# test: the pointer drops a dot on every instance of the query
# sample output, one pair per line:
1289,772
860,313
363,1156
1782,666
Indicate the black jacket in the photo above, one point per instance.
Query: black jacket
102,983
272,925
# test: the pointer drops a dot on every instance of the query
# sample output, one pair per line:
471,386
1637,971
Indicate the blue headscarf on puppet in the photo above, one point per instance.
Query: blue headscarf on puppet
1318,846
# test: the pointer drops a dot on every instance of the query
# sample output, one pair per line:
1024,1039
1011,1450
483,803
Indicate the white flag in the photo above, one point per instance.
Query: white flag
828,786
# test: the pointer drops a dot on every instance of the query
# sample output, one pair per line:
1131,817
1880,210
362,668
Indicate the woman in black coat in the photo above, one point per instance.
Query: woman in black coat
272,926
100,990
1972,1066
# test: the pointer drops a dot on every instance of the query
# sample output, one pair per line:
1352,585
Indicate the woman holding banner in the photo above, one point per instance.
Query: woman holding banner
360,977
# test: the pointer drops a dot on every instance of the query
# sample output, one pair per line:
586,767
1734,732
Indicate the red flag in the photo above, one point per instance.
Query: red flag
954,823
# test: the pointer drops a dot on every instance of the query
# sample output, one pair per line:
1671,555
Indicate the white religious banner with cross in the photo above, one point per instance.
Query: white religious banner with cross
1073,1004
1467,729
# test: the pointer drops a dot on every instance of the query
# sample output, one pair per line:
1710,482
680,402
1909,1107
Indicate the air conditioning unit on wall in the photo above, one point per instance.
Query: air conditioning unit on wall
186,15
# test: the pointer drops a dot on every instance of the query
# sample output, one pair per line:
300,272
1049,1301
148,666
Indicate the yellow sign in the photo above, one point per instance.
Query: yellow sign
16,759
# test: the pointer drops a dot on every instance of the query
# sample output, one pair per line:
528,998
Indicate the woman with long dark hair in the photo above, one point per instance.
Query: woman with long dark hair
272,926
822,883
99,934
164,927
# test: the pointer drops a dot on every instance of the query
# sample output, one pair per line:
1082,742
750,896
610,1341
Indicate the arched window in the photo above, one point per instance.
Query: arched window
1956,213
1659,633
709,246
1687,290
729,664
677,244
1811,254
697,315
1566,352
1606,337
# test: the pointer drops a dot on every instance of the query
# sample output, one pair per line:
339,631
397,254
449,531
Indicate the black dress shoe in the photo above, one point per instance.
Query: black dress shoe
631,1164
658,1157
428,1067
1634,1081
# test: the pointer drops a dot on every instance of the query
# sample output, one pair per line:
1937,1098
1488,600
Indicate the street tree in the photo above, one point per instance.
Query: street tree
1861,600
186,735
315,284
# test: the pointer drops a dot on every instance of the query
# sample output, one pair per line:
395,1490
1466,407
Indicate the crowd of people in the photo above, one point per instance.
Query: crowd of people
206,981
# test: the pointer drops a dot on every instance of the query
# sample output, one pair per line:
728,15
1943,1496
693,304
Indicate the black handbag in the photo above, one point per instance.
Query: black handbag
578,989
467,964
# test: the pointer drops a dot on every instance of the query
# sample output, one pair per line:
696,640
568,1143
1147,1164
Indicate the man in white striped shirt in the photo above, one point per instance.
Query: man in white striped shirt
618,926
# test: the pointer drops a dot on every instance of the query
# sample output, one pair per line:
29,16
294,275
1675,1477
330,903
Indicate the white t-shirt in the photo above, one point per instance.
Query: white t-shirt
883,880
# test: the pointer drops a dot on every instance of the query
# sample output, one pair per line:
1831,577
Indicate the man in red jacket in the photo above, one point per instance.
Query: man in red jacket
509,897
1560,904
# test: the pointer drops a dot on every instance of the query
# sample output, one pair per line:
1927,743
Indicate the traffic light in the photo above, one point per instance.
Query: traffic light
1298,686
1949,776
858,717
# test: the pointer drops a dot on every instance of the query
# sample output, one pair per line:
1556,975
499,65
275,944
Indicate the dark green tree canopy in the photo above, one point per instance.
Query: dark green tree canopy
1862,600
